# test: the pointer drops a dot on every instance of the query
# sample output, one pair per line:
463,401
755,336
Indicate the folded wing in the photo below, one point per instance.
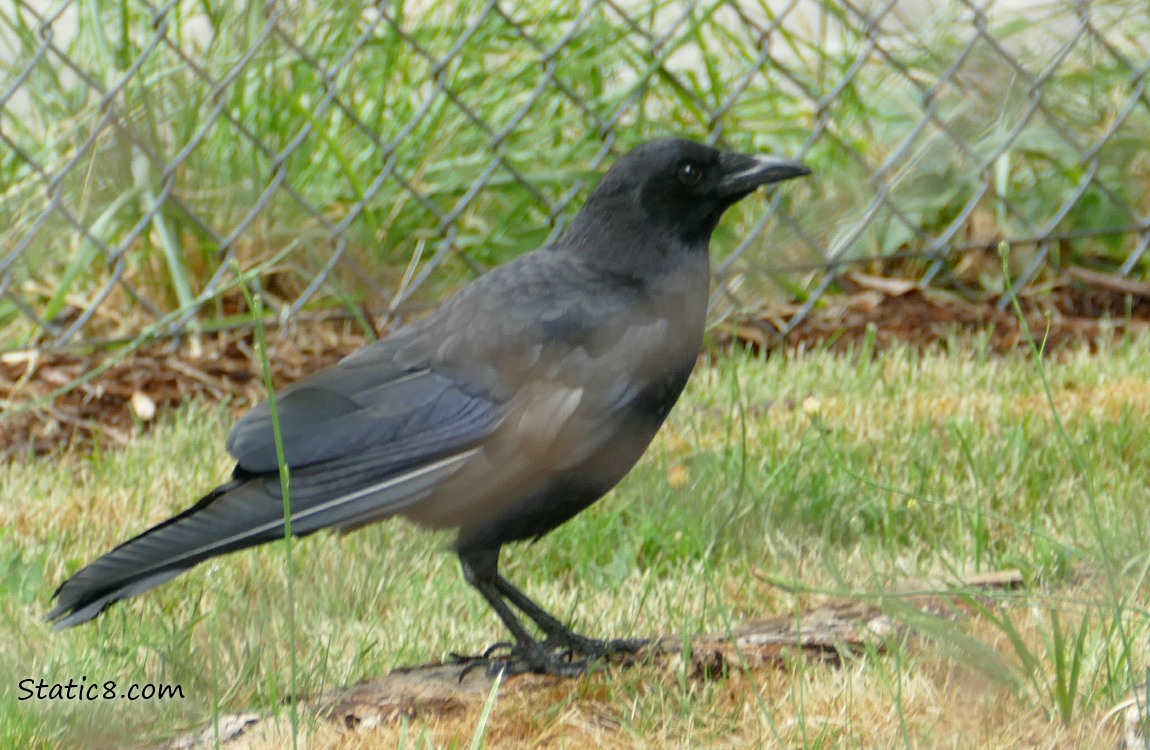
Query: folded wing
360,445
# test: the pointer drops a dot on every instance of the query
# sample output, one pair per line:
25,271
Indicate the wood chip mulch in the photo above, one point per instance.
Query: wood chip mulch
50,400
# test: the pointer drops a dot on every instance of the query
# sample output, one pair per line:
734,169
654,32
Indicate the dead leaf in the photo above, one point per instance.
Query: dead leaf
888,286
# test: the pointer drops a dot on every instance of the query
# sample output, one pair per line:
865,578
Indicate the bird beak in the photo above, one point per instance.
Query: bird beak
745,173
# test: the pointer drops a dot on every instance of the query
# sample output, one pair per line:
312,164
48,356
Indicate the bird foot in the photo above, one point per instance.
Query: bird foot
555,655
592,649
525,658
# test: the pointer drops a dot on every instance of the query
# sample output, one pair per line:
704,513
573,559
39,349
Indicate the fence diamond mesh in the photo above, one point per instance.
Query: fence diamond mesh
355,158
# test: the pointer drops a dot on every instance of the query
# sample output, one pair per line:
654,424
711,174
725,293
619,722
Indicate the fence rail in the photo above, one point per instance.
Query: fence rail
359,157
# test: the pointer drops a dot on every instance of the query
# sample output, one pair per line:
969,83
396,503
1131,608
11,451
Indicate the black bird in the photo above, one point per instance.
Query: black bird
519,402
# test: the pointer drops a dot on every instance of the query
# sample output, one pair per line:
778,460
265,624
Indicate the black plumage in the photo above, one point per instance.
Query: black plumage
519,402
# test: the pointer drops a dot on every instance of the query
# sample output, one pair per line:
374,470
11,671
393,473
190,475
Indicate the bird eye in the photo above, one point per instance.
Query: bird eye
690,173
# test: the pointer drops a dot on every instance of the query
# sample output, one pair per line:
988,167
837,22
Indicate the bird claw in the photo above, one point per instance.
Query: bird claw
454,657
497,646
473,663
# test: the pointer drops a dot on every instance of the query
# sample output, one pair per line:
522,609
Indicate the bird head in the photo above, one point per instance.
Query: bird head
678,190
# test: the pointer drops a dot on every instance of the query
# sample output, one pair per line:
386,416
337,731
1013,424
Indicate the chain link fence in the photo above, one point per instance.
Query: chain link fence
357,159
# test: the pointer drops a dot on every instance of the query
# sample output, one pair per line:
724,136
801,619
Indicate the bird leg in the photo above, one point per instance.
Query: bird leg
559,636
528,654
551,656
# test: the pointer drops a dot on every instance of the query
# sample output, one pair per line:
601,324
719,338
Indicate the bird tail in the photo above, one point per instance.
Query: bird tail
245,512
145,561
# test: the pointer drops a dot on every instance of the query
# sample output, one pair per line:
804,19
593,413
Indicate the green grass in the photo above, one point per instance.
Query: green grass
838,474
444,96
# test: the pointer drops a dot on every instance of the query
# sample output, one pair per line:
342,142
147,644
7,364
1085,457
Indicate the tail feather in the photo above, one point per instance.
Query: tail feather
243,513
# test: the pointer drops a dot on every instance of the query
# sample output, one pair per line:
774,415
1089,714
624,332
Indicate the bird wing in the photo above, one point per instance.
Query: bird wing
402,414
360,444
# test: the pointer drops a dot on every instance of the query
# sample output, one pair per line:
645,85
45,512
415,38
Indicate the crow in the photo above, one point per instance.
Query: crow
520,401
